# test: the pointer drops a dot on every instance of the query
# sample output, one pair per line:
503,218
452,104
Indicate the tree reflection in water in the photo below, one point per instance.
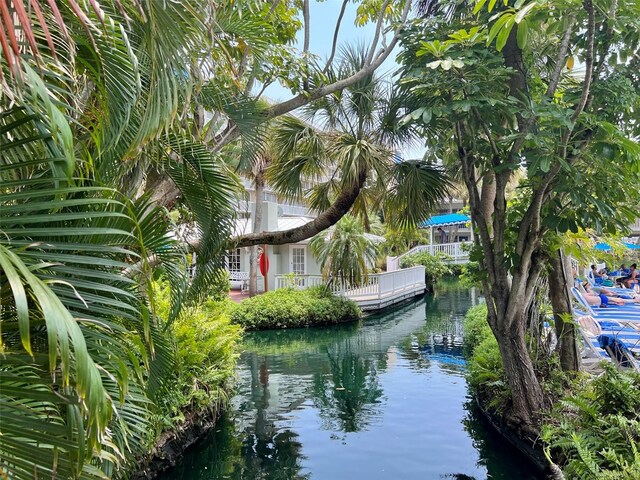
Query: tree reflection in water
397,376
347,397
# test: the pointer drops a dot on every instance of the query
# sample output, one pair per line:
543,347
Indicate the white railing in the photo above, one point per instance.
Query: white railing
376,285
456,251
294,210
298,281
635,228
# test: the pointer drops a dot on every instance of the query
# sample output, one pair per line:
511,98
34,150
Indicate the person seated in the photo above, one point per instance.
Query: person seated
624,270
631,280
594,275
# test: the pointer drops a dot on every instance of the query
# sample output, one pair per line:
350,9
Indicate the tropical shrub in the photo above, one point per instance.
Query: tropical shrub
290,308
345,251
400,240
595,431
435,266
219,286
206,350
470,274
486,374
475,327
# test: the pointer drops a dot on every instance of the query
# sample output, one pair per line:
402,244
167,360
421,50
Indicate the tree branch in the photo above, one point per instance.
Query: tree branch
335,36
274,5
586,86
607,27
376,36
340,207
553,83
562,54
487,132
307,27
303,99
483,239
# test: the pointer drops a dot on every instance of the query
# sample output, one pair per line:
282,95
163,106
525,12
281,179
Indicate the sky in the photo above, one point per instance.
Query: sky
323,19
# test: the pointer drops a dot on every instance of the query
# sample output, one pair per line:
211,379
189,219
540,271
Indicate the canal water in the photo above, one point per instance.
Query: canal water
382,399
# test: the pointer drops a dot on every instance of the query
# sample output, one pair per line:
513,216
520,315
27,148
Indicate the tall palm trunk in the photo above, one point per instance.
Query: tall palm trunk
256,228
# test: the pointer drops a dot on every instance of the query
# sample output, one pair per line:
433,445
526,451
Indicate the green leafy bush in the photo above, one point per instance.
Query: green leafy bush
290,308
595,432
475,327
486,374
206,348
470,274
435,266
220,286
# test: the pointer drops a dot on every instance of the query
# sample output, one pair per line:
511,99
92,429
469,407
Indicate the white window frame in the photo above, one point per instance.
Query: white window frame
304,249
234,253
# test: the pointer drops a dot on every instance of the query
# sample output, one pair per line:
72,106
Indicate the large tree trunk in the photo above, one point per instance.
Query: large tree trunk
257,228
488,197
161,188
526,392
559,282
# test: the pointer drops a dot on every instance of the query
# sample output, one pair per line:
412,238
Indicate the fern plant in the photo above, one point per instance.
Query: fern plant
596,430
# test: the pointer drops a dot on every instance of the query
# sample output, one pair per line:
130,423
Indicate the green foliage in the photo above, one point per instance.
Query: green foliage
290,308
475,326
345,251
358,138
218,288
84,351
470,274
596,430
400,240
206,346
435,266
486,374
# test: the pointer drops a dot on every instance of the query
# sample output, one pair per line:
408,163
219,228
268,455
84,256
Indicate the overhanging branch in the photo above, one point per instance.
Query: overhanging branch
307,97
340,207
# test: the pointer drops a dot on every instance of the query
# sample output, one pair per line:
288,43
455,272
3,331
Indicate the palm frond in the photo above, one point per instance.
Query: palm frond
414,192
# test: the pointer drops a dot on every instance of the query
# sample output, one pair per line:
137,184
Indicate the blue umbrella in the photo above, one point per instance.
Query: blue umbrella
605,247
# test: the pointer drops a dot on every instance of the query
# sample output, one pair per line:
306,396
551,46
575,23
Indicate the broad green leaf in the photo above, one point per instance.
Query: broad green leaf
521,13
497,27
523,34
503,36
478,6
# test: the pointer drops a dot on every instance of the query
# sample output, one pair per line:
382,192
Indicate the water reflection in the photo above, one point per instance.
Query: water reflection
347,398
383,399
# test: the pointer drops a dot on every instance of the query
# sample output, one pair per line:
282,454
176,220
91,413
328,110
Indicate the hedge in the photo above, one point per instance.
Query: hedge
290,308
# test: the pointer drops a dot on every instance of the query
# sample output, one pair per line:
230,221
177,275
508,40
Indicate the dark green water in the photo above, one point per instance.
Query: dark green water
386,399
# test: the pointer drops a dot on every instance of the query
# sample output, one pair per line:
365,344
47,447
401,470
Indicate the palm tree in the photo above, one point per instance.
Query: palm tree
345,251
346,148
75,330
82,115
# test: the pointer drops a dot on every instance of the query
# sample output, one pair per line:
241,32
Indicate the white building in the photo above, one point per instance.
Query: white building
293,258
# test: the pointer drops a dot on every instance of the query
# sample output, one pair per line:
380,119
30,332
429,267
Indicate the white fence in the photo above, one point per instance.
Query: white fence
456,251
378,285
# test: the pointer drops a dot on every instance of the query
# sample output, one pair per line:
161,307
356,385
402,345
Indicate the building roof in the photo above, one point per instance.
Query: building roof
446,220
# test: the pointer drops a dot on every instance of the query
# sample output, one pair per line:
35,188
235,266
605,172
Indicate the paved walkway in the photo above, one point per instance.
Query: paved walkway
237,296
